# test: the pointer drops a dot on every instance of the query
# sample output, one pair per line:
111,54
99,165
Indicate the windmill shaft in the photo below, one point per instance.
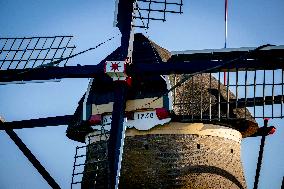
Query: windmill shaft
116,139
26,151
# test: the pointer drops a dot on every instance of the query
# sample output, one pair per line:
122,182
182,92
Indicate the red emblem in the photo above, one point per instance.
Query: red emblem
115,66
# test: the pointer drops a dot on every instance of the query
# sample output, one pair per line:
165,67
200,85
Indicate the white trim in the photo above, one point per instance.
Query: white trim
131,38
170,94
86,98
120,154
191,129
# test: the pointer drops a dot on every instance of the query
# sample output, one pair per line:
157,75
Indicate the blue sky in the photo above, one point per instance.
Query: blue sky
251,23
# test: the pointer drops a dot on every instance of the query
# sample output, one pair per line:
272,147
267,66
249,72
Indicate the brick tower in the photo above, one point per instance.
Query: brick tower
183,155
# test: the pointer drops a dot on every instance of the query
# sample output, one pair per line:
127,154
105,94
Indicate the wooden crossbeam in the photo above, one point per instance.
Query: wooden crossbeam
40,122
173,67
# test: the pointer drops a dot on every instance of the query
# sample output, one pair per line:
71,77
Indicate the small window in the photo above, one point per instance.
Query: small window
232,150
198,146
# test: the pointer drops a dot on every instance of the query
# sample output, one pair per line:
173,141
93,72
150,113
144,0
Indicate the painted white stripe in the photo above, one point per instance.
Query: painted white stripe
170,94
86,98
120,154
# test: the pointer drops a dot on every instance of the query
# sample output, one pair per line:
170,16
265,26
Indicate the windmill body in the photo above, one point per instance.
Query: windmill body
170,151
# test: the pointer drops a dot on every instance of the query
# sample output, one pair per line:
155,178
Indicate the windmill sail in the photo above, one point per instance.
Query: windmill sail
32,52
152,10
21,57
251,91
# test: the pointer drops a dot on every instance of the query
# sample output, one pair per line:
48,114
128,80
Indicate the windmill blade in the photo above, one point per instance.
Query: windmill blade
48,73
19,56
188,62
178,64
44,63
32,52
144,12
153,10
253,87
40,122
249,58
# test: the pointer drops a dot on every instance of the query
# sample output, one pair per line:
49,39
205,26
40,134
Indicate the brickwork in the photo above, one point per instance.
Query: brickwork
96,168
181,161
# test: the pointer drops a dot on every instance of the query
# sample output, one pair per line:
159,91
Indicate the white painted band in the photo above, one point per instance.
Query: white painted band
191,128
185,128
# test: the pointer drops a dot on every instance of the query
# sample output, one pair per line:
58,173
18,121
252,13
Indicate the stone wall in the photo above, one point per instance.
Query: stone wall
180,160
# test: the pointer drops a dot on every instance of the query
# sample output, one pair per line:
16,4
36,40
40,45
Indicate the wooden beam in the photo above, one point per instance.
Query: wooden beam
40,122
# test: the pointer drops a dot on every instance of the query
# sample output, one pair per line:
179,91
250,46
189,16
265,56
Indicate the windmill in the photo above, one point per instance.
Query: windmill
160,70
